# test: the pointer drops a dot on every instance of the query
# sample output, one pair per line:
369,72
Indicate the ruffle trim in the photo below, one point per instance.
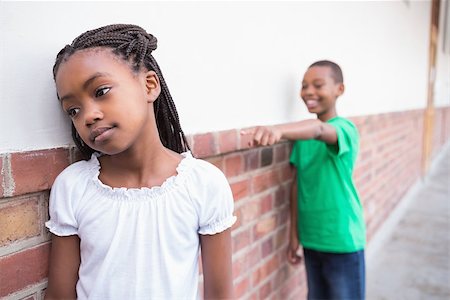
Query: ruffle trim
218,226
144,192
59,230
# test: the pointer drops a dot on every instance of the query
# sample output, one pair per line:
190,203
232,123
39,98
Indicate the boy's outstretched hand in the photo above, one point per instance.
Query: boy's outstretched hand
262,135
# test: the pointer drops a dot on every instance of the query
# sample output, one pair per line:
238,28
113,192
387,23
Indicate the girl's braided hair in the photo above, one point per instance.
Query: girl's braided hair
134,45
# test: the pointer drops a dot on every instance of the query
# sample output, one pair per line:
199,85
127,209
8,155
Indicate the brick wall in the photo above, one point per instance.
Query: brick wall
388,164
441,128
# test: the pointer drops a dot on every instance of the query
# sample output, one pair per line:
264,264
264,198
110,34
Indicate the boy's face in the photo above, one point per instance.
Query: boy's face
319,90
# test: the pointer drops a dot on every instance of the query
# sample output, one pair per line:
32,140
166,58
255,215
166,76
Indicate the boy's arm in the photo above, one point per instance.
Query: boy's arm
216,263
293,246
302,130
63,269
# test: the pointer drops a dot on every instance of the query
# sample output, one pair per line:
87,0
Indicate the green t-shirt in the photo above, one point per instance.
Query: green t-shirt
330,214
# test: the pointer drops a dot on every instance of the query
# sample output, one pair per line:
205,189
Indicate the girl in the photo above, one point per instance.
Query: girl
128,223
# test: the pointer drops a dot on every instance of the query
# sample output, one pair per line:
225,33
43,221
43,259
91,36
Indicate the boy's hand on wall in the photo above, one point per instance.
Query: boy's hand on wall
263,135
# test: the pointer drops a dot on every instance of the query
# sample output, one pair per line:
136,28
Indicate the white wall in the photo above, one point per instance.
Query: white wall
442,80
228,65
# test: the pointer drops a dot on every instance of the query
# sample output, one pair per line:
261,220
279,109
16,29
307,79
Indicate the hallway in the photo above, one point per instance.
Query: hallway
413,260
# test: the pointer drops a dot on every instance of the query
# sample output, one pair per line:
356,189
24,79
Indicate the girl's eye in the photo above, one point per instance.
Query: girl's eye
102,91
304,87
72,112
318,86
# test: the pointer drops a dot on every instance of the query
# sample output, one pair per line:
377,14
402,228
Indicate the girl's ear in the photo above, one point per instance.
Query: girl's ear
152,86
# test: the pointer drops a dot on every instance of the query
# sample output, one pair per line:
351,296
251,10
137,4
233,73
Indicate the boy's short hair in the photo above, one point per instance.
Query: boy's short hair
335,69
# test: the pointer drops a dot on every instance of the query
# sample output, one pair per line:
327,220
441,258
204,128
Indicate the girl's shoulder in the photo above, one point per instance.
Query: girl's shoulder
78,172
203,176
203,170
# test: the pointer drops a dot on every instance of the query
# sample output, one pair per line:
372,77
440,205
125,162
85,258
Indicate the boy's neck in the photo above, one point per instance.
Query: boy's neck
328,115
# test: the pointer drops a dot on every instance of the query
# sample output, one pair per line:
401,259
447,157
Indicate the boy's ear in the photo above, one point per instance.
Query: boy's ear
340,89
152,86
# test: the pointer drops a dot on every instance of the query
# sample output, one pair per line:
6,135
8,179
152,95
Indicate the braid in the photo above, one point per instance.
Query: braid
134,45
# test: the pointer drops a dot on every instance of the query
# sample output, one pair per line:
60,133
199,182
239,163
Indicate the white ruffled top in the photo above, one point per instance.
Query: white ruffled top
140,243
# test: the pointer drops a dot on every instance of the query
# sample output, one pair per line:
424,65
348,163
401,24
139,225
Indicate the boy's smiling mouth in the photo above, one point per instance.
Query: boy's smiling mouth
311,103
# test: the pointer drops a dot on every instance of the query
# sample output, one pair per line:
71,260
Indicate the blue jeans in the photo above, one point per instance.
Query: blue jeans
339,276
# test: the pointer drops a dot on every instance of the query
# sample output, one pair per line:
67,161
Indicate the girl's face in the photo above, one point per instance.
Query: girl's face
319,90
110,106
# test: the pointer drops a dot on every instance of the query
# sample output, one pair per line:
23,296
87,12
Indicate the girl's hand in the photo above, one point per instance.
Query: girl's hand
263,135
294,253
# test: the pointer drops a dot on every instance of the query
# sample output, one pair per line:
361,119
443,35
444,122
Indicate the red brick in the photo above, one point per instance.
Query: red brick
19,219
234,165
23,268
249,211
291,286
281,238
283,217
266,156
266,204
238,223
204,145
241,240
285,172
228,141
240,189
254,257
240,265
265,290
36,170
251,159
217,161
282,195
264,227
266,247
241,288
265,270
1,175
282,274
265,181
253,296
281,153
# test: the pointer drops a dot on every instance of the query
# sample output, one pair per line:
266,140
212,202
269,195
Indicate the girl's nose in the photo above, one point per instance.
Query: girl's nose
93,114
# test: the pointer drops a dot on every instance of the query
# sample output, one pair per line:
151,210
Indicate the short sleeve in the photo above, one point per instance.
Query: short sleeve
293,159
61,205
347,137
213,197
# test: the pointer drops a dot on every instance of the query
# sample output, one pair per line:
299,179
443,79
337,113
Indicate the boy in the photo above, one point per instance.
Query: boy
326,213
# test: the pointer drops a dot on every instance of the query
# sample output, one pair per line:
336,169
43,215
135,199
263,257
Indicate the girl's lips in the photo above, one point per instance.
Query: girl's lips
98,135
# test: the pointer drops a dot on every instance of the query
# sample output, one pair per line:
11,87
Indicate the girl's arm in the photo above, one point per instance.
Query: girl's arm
216,263
63,269
302,130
